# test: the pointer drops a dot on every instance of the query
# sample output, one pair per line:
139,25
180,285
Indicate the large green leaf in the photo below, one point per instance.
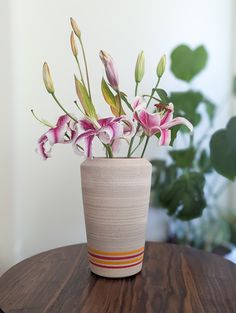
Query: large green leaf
162,176
223,150
185,197
186,104
85,99
183,157
187,63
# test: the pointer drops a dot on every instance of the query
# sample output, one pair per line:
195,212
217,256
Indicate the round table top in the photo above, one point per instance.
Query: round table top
174,279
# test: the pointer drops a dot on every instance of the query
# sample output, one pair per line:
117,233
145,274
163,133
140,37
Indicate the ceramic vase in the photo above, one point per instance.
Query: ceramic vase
116,196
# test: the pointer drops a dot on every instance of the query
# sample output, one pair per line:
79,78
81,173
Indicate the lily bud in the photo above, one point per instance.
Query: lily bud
140,67
111,72
48,79
73,44
75,27
161,66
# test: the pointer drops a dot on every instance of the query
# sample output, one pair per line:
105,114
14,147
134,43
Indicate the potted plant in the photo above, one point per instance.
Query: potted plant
189,177
115,189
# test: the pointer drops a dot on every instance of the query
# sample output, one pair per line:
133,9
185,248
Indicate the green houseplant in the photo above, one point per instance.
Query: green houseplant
185,178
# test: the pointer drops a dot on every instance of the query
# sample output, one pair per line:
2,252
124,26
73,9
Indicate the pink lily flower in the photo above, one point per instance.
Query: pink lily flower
159,122
109,130
111,71
64,132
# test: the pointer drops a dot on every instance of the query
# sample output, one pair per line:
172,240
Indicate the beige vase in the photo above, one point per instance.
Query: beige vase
116,197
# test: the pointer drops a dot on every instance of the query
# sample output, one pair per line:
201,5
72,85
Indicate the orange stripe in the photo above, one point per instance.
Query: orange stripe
115,253
98,261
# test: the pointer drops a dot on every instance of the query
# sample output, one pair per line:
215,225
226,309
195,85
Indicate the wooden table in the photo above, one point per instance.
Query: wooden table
174,279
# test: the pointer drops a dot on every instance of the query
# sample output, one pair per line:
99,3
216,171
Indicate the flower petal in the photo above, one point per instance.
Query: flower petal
178,121
138,103
105,121
86,124
41,149
116,145
63,120
149,122
56,135
165,137
106,134
128,128
86,138
168,116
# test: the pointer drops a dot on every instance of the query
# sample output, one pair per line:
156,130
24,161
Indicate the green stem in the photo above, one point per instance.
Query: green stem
136,90
76,103
159,100
153,91
86,67
42,122
63,109
145,146
131,142
80,71
109,151
132,152
191,140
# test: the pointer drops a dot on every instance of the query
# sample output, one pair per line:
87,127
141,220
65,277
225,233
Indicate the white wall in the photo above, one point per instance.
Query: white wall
232,194
47,207
6,130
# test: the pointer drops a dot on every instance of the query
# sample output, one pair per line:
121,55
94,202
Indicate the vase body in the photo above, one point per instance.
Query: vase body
116,196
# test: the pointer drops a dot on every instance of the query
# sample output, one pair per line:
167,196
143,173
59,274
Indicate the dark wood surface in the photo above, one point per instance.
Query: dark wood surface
174,279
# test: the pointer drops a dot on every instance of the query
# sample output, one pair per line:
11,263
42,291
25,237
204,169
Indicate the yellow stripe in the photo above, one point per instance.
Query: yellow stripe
115,253
99,261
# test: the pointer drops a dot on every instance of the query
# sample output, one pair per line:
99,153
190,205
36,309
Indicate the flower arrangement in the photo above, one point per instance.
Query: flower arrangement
143,120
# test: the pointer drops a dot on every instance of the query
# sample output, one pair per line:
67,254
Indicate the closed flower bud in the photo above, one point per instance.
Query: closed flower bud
48,79
73,44
75,27
161,66
140,67
111,72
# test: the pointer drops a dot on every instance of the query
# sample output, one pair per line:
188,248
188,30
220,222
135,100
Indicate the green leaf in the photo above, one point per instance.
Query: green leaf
163,95
185,198
174,132
187,63
186,104
162,177
107,94
85,99
204,162
112,100
184,157
210,108
124,98
223,150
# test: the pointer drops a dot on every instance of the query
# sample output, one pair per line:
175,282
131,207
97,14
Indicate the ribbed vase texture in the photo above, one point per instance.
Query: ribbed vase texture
116,196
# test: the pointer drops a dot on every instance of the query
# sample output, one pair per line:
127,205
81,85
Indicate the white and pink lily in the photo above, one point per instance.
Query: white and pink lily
159,122
64,132
109,130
